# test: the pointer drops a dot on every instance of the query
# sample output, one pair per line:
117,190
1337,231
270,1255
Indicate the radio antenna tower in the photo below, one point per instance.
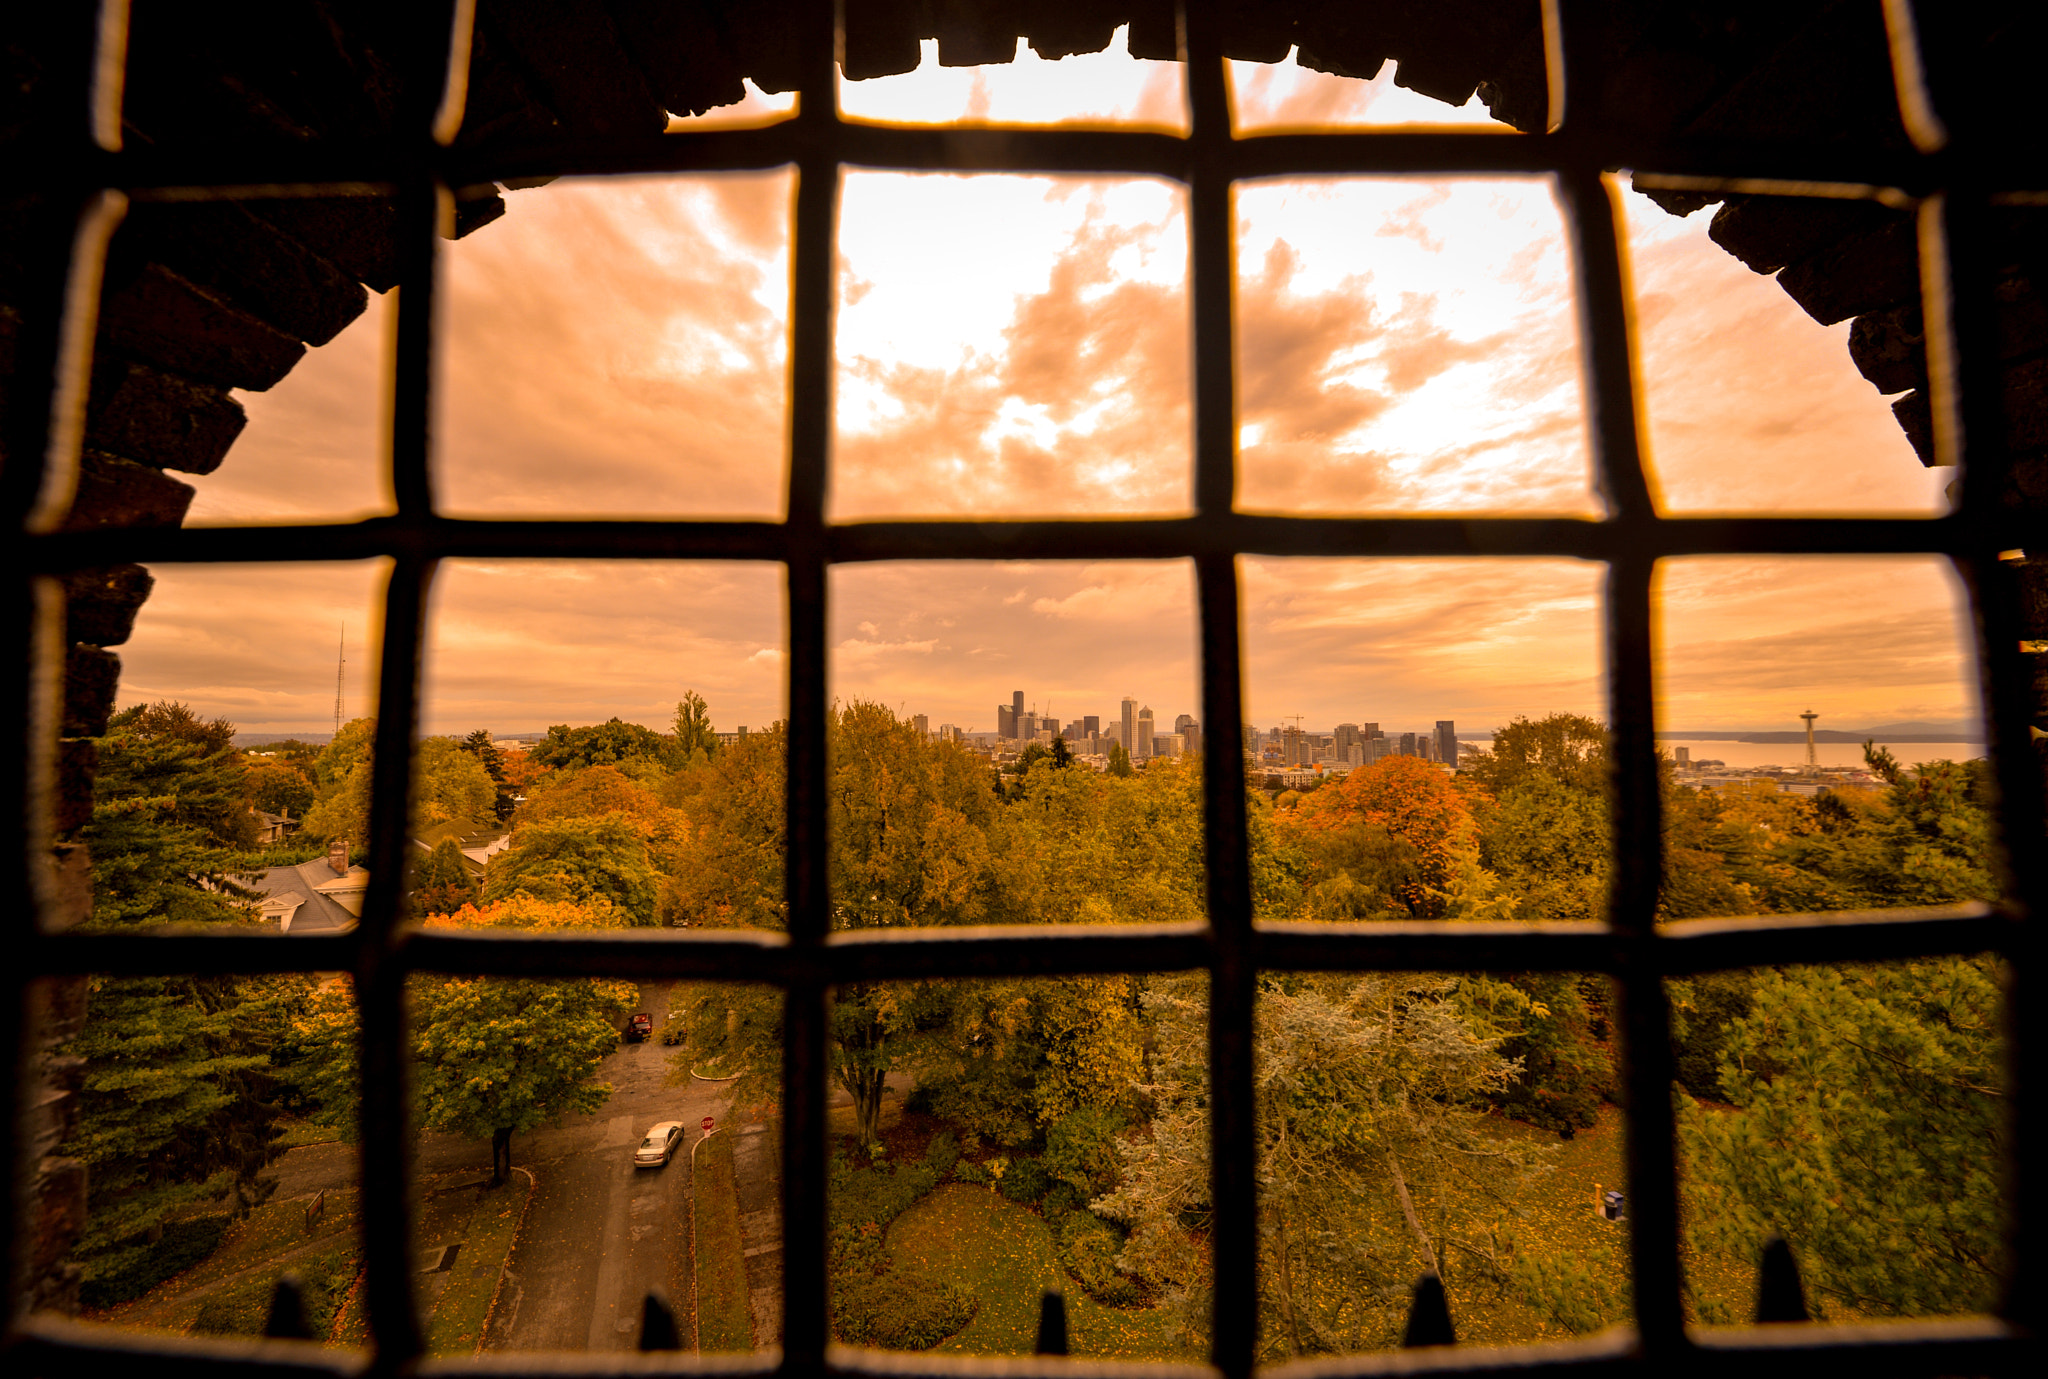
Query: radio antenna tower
1812,762
340,660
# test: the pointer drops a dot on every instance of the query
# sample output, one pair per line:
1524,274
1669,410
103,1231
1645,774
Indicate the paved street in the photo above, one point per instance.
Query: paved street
599,1233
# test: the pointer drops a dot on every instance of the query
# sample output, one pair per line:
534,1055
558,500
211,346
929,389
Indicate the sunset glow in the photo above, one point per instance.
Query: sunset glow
1019,346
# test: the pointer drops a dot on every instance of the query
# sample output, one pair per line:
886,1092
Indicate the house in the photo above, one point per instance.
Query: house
478,845
321,896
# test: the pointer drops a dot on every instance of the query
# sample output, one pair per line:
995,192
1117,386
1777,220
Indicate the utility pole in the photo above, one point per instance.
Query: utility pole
340,660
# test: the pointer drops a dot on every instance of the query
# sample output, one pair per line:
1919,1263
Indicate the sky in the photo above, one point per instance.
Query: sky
1014,346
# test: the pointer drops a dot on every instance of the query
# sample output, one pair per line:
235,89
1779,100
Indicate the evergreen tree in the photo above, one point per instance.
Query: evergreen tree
443,883
176,1102
479,745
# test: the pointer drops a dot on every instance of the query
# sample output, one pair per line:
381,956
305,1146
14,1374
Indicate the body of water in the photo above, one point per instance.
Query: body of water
1749,755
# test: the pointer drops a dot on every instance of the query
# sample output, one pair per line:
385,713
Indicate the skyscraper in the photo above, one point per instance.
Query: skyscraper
1408,746
1130,727
1190,732
1447,742
922,723
1006,721
1091,724
1144,734
1016,713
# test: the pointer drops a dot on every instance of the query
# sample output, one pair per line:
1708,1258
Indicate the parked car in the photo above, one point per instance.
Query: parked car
660,1145
639,1027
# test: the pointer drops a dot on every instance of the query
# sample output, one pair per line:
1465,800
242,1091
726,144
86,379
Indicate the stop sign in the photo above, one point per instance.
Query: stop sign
707,1125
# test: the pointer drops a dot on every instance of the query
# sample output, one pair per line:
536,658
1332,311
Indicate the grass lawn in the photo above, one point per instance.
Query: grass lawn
486,1223
724,1322
1004,1254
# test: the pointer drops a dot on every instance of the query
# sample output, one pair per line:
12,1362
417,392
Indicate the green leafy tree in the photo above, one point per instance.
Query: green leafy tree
610,743
1870,1131
496,1057
1119,760
578,861
694,733
277,786
450,785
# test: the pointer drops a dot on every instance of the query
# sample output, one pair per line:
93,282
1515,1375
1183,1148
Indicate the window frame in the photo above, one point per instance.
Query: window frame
1952,175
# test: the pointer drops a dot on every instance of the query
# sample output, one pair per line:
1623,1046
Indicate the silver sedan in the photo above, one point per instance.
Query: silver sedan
659,1146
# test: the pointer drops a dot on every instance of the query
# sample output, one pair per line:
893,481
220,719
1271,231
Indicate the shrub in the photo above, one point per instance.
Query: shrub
941,1154
901,1311
1026,1181
967,1171
121,1274
1060,1199
1089,1246
1081,1149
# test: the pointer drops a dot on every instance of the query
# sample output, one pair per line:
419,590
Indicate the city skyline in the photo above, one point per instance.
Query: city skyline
617,346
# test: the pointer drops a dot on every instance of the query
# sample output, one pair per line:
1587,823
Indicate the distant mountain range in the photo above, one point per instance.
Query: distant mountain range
1952,731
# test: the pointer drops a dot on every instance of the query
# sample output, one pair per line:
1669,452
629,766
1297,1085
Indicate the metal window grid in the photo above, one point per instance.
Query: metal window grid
1954,176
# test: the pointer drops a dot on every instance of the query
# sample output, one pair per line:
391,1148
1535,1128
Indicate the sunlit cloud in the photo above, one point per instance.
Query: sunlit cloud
1863,640
1012,345
621,351
1406,642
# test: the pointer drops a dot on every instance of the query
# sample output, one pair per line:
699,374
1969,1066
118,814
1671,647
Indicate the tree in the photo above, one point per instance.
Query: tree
176,1105
1119,760
495,1057
480,745
1373,1151
169,819
450,785
590,793
276,786
693,728
611,743
443,883
176,1101
1396,800
578,861
1870,1133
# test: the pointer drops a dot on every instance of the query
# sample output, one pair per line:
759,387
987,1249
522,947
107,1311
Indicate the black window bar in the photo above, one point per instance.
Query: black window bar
1955,174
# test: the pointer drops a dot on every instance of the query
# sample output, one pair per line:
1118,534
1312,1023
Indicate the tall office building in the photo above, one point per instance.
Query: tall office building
1144,732
1368,731
1408,746
1447,742
922,724
1091,724
1027,727
1006,721
1344,739
1016,713
1190,732
1130,726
